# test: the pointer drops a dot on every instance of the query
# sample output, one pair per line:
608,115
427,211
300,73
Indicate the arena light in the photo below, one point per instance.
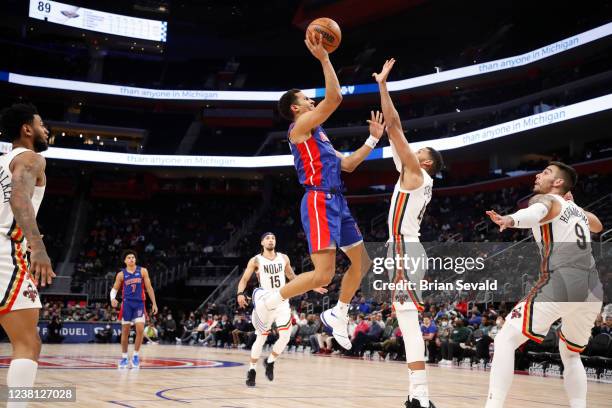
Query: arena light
454,142
410,83
99,21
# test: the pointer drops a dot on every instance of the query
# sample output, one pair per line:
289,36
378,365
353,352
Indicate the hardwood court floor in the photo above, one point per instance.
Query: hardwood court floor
301,380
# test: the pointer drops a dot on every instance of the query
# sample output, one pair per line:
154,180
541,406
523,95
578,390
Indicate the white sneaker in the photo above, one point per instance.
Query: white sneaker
261,313
339,326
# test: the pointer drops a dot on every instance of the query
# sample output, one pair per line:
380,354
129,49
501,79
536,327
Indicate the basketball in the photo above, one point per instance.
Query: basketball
329,29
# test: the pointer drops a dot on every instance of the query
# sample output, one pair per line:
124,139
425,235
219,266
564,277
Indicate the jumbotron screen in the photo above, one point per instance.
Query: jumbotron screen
100,21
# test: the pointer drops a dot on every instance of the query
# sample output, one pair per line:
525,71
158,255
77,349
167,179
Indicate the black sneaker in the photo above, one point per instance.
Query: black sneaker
415,403
269,369
251,378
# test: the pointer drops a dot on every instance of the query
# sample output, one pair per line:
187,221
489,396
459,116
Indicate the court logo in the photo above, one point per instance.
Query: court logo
110,362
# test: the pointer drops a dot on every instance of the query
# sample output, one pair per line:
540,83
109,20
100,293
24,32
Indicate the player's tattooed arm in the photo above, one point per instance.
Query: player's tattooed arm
150,291
244,281
26,169
541,208
545,199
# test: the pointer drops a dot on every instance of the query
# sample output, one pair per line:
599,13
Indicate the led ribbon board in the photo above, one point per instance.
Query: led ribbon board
204,95
447,143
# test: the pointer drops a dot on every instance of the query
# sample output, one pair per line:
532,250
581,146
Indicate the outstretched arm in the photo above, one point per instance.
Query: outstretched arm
26,168
397,138
541,208
377,127
333,95
150,291
246,276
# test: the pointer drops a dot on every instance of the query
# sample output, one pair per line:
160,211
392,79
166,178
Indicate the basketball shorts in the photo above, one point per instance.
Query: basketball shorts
132,311
409,271
281,318
328,222
561,295
17,289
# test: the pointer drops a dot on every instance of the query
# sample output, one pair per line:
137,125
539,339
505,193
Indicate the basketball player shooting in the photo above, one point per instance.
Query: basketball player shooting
410,197
22,176
561,229
326,218
272,269
134,280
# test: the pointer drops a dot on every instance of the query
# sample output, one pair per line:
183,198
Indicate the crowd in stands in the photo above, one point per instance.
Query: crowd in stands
163,234
453,332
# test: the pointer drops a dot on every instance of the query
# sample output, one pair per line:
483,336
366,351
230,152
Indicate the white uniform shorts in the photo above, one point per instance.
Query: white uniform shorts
281,317
570,294
17,289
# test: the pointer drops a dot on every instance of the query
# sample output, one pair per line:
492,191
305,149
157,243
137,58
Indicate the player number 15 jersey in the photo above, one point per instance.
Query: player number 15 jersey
271,272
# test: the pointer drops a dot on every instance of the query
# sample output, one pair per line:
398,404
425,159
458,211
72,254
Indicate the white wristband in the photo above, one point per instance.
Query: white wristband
371,142
529,217
113,294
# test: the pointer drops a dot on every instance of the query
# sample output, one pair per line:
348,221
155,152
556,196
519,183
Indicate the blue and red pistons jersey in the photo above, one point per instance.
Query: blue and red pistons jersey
133,286
315,160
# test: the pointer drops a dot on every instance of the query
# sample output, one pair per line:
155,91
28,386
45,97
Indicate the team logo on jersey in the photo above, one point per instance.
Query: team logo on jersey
516,314
30,293
323,137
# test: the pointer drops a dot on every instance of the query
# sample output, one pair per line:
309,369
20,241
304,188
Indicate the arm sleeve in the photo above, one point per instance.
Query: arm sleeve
529,217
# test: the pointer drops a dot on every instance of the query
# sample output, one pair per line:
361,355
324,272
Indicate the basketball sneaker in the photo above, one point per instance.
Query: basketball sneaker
123,363
261,314
269,369
338,326
415,403
250,381
135,362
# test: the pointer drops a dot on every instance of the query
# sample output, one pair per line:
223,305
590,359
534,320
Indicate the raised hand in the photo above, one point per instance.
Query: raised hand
314,43
503,221
377,124
384,73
